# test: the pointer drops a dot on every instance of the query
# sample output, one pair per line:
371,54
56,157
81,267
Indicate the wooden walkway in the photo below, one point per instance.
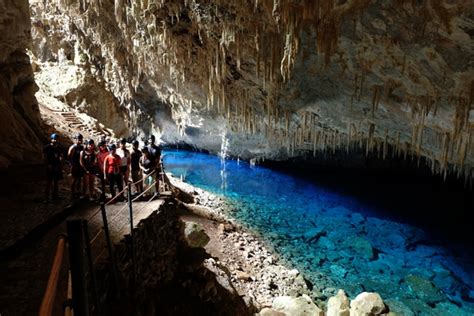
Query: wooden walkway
118,219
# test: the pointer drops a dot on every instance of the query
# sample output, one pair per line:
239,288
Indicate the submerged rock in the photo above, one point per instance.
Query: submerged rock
367,304
398,308
361,246
338,305
446,308
423,289
296,306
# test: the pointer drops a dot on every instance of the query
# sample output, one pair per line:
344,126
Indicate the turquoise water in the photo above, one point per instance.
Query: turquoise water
334,240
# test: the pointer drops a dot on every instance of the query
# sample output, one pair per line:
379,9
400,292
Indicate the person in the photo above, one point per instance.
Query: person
77,171
155,155
125,161
147,166
103,152
88,161
53,157
137,177
112,172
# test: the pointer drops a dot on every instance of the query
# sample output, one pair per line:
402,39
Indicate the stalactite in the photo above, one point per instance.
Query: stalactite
349,137
375,98
370,138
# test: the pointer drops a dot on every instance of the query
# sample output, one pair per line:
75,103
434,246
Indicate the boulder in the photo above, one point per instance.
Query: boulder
296,306
367,304
338,305
195,235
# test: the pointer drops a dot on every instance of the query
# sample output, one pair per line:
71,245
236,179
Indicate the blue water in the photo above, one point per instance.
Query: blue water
336,241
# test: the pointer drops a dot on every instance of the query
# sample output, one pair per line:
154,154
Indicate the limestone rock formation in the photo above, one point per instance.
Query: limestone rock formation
338,305
389,78
366,304
297,306
195,235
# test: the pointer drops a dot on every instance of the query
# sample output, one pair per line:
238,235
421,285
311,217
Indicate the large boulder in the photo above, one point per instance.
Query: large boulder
338,305
367,304
296,306
194,235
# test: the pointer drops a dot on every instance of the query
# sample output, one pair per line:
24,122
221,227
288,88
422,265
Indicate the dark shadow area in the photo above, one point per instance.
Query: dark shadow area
165,276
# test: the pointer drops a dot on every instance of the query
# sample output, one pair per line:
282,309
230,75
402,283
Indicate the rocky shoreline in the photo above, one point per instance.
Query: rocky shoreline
260,276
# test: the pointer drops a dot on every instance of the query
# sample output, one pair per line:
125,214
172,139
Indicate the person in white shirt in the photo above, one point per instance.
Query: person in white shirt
125,161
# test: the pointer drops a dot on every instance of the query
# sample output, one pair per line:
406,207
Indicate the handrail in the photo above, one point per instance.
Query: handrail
46,308
96,236
111,200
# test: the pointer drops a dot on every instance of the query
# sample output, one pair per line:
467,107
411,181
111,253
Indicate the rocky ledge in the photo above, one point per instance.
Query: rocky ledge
259,275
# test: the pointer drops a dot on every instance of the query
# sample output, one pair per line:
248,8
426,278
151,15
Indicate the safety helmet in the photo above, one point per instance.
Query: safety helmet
54,136
78,136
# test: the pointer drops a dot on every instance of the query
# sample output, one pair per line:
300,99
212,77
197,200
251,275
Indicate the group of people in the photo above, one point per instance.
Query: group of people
111,163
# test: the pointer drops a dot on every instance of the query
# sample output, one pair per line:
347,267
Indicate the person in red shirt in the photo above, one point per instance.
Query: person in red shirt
103,152
112,170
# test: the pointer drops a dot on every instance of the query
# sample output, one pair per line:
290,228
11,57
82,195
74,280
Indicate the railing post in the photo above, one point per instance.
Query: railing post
132,241
76,262
91,267
109,246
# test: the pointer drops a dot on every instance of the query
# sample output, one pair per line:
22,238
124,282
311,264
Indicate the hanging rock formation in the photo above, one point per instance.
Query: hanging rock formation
277,78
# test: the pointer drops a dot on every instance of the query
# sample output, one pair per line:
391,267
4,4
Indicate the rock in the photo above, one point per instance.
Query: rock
423,289
241,275
338,271
362,246
397,308
446,308
357,218
314,234
296,306
220,229
270,312
195,235
293,273
367,304
338,305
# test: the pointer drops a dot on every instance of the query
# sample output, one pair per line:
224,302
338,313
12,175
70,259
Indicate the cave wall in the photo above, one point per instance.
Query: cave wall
19,119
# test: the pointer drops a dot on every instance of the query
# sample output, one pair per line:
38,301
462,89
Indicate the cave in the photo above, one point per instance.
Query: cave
313,157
